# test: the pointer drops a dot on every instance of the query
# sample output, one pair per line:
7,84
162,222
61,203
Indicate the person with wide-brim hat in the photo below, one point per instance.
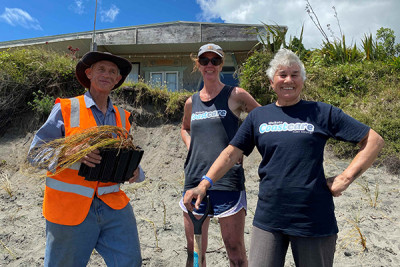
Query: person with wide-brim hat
91,58
84,215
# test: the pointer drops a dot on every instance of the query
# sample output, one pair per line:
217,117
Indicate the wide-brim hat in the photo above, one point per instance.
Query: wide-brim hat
211,48
90,58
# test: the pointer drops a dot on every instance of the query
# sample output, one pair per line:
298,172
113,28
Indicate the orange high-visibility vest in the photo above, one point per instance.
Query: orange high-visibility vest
68,196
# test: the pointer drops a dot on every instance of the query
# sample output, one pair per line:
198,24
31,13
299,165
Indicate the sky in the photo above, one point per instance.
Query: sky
22,19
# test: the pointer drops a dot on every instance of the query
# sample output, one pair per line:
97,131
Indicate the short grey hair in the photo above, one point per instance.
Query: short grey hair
285,58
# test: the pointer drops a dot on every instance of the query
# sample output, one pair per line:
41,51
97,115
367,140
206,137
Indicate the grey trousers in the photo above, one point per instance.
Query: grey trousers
269,249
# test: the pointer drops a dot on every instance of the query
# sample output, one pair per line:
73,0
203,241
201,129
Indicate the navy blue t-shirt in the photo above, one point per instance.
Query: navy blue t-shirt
293,197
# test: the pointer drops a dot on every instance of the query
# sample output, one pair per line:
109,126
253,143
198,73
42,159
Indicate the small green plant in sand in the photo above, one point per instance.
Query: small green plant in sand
69,150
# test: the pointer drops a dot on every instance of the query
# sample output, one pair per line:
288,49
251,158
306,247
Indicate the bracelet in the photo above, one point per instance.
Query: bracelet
205,177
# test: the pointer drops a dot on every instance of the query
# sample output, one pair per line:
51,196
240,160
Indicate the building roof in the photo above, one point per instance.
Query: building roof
169,37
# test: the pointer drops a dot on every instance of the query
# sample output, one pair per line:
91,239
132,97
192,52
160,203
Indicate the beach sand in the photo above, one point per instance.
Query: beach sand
369,210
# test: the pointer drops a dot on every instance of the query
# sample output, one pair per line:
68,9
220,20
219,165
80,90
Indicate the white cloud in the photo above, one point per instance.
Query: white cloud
110,14
19,17
356,17
78,7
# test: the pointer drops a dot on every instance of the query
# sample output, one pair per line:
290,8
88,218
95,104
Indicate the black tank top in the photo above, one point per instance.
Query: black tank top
212,126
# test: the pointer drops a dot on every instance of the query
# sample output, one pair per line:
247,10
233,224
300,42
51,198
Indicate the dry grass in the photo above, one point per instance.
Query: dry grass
8,250
355,235
155,232
6,183
372,196
69,150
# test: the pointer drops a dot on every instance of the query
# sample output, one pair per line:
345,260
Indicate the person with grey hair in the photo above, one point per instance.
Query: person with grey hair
295,200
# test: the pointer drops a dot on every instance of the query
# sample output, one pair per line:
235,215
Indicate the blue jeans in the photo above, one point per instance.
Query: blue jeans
113,233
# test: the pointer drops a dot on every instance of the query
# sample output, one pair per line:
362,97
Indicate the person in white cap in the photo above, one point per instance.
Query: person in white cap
295,200
85,215
210,121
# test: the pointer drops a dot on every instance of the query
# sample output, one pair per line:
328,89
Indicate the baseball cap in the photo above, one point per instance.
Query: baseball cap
211,48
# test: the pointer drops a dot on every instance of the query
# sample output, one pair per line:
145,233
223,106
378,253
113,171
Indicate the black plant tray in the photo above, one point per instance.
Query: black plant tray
117,165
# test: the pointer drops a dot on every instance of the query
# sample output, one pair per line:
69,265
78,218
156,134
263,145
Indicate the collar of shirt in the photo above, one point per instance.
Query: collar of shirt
99,116
90,102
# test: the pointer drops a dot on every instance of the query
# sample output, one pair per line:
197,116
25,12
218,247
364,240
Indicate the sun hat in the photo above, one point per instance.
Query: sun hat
90,58
211,48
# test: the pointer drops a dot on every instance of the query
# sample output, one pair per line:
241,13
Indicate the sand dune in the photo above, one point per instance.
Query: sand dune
368,210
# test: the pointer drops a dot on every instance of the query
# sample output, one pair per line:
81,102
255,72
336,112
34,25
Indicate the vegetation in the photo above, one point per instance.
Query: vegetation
73,148
363,81
163,105
24,72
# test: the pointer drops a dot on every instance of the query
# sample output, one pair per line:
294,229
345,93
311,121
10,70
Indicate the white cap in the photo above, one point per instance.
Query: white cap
211,48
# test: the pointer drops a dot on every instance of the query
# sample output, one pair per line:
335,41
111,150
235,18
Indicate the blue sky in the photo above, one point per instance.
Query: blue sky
20,19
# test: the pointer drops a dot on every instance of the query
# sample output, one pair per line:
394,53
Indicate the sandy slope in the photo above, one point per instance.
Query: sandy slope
159,218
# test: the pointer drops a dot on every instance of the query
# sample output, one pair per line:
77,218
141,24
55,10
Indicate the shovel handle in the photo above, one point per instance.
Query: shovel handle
197,224
197,258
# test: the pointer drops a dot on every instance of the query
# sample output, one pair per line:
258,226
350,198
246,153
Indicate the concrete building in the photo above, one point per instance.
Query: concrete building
160,53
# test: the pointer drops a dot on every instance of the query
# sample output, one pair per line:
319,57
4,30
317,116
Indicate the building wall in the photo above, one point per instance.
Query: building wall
183,65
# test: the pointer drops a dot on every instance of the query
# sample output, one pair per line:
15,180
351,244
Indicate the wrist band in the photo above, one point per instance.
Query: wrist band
205,177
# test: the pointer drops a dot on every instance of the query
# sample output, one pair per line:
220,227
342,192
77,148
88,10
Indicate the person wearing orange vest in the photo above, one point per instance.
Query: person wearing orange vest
85,215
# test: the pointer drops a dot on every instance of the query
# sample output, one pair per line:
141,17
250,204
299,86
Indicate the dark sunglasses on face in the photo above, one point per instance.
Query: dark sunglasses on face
215,61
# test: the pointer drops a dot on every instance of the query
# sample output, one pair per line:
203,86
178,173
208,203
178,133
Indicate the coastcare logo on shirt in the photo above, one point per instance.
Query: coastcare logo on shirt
286,127
208,115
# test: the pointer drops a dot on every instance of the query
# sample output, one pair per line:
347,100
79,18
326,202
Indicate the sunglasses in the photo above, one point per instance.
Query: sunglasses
216,61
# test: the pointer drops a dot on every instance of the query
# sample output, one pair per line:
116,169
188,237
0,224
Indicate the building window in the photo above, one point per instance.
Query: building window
165,78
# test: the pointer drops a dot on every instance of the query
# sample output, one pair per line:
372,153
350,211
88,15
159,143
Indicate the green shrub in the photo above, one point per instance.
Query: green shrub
42,104
366,90
395,64
24,72
253,77
159,103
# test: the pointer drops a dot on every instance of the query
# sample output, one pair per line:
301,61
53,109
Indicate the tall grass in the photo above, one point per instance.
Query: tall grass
71,149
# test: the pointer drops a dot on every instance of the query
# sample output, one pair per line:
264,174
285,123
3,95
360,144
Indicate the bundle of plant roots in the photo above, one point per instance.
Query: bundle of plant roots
69,150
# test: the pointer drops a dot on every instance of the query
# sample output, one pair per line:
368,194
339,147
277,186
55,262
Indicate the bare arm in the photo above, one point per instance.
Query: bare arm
185,129
241,101
228,157
370,146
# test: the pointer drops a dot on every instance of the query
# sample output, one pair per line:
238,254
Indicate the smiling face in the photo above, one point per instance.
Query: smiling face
287,84
209,72
103,76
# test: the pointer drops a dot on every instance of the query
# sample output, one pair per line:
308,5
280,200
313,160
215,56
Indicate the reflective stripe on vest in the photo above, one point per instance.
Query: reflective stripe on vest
122,116
102,190
80,189
69,188
75,112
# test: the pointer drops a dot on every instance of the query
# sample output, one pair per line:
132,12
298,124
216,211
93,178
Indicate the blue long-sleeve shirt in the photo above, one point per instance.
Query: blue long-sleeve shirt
54,128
